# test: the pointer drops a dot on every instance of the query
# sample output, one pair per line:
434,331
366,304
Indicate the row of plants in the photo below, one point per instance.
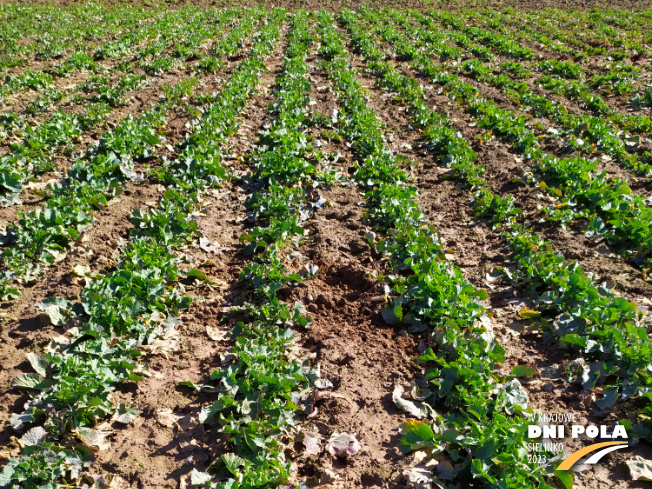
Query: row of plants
186,42
606,132
186,30
98,89
126,308
62,131
619,79
29,80
496,39
552,37
627,20
501,42
614,78
475,414
586,134
605,33
264,391
43,236
40,80
47,32
605,328
609,206
59,134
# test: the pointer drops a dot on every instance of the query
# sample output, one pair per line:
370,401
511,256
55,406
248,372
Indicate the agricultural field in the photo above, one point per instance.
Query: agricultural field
348,247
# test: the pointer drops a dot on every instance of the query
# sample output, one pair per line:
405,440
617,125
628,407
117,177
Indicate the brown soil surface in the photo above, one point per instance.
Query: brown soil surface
24,329
362,356
477,249
166,442
336,5
136,102
357,352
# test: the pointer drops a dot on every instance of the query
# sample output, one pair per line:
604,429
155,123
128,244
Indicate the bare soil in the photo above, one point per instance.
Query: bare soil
477,249
362,356
336,5
167,442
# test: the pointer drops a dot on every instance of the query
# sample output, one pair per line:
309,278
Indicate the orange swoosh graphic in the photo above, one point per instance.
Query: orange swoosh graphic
570,461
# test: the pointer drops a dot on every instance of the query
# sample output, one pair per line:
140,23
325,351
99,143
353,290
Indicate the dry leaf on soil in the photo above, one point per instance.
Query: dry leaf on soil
640,469
312,444
343,445
216,333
